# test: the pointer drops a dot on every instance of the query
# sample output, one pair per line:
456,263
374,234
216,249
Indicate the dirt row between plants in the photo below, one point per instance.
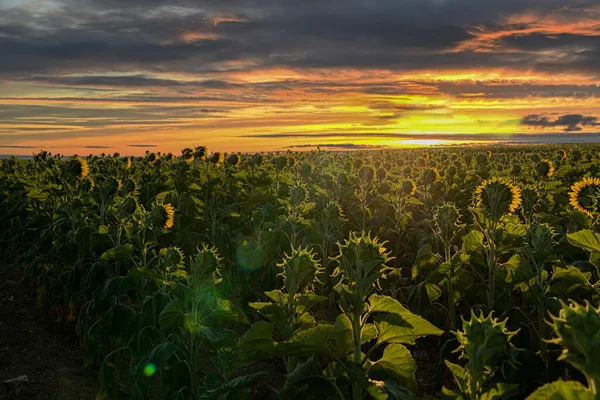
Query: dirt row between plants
31,346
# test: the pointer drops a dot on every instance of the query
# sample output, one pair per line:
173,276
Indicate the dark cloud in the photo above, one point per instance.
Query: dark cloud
187,36
568,122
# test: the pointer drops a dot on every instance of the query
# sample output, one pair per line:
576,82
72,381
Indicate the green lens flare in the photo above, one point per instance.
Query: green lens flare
150,369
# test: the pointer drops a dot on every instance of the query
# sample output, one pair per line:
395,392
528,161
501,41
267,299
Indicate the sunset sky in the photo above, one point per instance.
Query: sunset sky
91,76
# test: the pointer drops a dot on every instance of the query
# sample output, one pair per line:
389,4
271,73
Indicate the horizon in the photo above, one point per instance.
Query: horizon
102,75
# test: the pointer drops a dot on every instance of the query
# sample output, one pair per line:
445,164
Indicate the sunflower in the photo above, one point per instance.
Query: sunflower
430,176
426,156
408,188
170,212
489,153
545,169
562,154
81,167
584,194
129,162
498,196
161,216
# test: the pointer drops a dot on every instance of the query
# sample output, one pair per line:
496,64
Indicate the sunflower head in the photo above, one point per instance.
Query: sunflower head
366,174
257,160
151,157
200,152
79,168
545,169
298,194
233,160
562,154
489,153
408,188
426,156
161,216
584,196
431,175
128,162
498,197
216,158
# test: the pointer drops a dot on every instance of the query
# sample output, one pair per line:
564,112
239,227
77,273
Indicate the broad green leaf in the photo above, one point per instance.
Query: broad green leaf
461,376
397,364
306,343
122,252
343,335
585,239
106,379
562,390
257,343
232,386
405,328
499,391
172,317
425,262
117,286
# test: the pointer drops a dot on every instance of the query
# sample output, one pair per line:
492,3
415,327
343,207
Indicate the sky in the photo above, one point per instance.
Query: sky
91,76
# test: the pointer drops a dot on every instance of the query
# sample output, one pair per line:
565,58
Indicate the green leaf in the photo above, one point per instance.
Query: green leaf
425,262
399,325
396,391
397,364
394,328
232,386
257,343
562,390
106,379
514,271
343,335
306,343
117,286
500,391
172,317
122,252
461,376
585,239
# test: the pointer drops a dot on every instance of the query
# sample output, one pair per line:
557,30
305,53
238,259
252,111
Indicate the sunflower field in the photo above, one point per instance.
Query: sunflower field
458,273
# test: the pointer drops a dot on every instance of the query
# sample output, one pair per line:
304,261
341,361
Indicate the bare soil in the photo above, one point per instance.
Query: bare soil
49,355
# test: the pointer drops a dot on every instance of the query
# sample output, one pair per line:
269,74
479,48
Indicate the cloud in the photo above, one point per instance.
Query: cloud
568,122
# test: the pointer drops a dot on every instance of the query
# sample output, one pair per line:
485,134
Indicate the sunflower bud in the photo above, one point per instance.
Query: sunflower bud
299,270
485,343
171,258
577,328
206,266
361,264
447,220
